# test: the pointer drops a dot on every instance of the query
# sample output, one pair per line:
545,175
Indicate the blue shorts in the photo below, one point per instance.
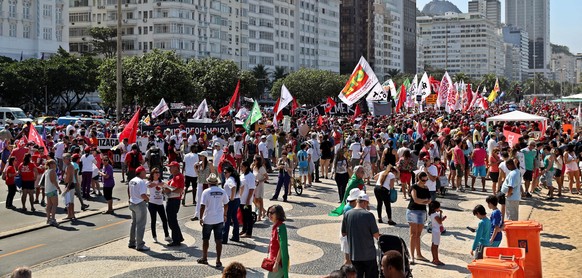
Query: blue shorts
496,243
480,171
415,216
207,229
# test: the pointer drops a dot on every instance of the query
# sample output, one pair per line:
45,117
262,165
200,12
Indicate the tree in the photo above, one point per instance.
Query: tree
104,40
248,84
278,73
461,76
392,73
262,75
311,85
216,79
148,78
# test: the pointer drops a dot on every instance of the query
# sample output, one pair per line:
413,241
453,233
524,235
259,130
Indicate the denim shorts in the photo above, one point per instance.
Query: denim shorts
52,194
212,228
416,216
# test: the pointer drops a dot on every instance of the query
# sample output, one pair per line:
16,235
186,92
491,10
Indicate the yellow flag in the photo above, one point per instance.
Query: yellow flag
147,120
493,94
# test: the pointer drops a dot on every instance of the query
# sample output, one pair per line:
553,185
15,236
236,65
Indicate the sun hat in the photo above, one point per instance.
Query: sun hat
363,197
354,193
212,179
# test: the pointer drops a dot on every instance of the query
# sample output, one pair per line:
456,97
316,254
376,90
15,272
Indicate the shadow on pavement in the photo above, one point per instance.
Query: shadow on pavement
559,246
81,222
67,228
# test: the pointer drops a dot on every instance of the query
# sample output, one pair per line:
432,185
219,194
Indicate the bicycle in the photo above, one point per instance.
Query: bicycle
297,185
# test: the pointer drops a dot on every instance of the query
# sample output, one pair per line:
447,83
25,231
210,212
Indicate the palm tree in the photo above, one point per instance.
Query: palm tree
393,72
262,75
278,73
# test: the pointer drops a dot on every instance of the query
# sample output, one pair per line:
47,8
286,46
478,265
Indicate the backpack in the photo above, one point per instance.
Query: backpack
134,160
252,149
155,158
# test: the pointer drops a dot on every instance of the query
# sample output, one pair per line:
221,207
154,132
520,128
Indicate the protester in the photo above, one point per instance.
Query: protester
174,192
385,182
284,178
341,172
248,185
261,177
108,183
511,189
9,175
203,168
156,204
278,245
344,244
232,188
138,199
189,171
27,172
214,205
416,214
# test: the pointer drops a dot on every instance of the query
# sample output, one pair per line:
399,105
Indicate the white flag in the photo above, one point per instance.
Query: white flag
424,86
201,111
410,94
362,80
161,108
284,99
377,94
444,89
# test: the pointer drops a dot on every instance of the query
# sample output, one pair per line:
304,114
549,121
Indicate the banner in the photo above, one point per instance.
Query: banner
224,128
512,137
360,83
161,108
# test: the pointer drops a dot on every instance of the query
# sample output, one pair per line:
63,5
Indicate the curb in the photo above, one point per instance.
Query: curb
39,226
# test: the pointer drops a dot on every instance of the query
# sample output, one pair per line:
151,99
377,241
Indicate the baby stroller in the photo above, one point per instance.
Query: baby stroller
390,242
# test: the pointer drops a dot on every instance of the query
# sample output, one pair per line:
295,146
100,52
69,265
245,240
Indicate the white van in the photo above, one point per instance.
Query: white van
14,115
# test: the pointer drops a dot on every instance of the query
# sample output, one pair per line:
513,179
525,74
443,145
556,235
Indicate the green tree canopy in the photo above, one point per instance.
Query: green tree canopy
104,40
311,85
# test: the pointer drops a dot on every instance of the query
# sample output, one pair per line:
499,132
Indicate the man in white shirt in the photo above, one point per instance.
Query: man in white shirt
492,143
192,139
315,156
264,152
190,173
216,154
355,150
123,148
59,150
271,145
138,199
433,175
213,209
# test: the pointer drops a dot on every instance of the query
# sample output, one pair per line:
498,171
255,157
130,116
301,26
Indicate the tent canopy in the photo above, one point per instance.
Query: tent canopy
577,98
517,116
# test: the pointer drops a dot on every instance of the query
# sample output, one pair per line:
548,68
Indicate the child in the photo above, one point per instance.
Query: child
483,232
496,221
442,181
437,218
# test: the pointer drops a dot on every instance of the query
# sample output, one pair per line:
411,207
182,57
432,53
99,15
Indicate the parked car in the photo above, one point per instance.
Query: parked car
86,113
63,121
45,120
14,115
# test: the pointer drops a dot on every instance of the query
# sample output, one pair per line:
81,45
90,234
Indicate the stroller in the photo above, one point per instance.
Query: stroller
391,242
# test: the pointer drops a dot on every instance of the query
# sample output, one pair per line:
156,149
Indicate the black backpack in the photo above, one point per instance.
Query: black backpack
155,158
252,149
134,160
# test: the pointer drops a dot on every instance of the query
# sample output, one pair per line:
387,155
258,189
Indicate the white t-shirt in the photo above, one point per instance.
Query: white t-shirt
228,186
189,161
137,187
217,154
264,150
238,147
433,171
355,148
156,195
192,139
366,153
214,198
247,183
59,149
503,168
87,161
386,183
69,128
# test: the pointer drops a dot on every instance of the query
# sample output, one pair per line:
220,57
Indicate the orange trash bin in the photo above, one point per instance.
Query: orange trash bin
514,254
526,235
493,268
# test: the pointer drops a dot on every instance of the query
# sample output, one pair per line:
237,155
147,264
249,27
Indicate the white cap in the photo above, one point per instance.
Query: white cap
363,197
354,193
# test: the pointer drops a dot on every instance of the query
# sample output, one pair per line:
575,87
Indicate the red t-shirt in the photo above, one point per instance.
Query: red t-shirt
10,174
171,154
39,159
178,182
19,154
27,171
129,157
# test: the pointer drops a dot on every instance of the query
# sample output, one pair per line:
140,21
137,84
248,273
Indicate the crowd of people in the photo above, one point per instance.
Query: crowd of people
422,155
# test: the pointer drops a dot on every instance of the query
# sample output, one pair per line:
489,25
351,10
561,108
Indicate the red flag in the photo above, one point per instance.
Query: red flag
275,108
330,105
130,130
357,112
233,101
419,129
33,136
294,106
512,137
401,98
319,120
534,100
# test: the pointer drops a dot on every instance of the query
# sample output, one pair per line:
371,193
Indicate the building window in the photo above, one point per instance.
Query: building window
59,35
59,15
47,10
26,10
12,30
47,33
26,31
12,8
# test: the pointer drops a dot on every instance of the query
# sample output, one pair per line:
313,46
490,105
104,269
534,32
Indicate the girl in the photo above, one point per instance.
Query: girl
238,151
52,190
261,175
571,161
156,203
108,183
27,172
303,164
494,161
437,218
416,214
559,165
232,187
9,174
278,245
284,167
405,167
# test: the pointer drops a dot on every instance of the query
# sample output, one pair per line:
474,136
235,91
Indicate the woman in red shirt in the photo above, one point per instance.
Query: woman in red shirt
9,175
39,158
28,172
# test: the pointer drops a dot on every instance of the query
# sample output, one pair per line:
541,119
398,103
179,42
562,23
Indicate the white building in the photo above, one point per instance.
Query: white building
468,43
563,65
32,29
517,56
578,76
388,37
192,28
490,8
294,34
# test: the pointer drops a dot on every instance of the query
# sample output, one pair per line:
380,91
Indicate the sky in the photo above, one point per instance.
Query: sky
565,21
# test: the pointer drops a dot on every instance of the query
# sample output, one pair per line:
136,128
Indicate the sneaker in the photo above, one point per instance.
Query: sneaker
42,204
168,239
143,249
528,195
131,246
195,218
84,207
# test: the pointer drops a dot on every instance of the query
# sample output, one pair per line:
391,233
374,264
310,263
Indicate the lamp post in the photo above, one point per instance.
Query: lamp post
119,80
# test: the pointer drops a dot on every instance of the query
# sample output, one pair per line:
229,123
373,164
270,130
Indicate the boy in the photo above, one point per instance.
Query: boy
496,221
482,234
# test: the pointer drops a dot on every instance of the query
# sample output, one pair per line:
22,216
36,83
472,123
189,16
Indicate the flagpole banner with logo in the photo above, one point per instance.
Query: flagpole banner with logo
361,81
160,109
224,128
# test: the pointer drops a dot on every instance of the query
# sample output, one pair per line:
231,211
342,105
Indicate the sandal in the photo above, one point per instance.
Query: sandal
218,264
202,261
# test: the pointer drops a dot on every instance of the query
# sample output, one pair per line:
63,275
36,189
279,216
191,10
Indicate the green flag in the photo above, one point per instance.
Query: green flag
253,117
406,84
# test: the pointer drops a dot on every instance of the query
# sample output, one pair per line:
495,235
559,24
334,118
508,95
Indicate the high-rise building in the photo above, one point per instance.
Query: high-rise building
33,28
517,53
563,65
578,74
534,17
409,36
490,8
468,43
355,33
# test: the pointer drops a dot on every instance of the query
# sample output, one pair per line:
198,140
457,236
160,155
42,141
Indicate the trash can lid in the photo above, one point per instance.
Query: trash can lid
493,264
523,225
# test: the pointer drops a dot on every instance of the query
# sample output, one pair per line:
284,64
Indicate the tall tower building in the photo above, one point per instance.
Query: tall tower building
534,17
409,36
490,8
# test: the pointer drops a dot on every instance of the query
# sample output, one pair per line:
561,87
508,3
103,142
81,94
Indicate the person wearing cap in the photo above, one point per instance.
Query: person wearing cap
174,195
133,159
356,181
138,199
213,210
264,153
344,246
360,228
217,153
203,169
87,162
